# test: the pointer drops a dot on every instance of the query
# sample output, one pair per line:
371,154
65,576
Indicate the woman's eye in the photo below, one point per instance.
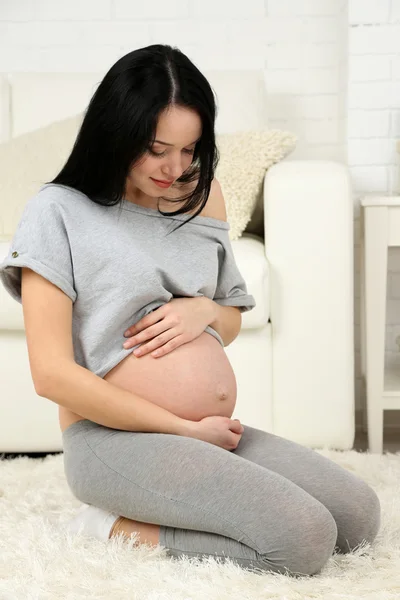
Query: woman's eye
156,153
191,152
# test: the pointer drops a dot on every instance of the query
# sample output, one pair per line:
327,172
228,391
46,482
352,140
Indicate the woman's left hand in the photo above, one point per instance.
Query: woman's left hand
177,322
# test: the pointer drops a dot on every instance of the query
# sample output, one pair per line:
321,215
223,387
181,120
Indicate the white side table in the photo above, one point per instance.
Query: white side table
380,229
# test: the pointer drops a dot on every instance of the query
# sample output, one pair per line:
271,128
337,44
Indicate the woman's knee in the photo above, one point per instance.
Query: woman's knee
306,545
360,517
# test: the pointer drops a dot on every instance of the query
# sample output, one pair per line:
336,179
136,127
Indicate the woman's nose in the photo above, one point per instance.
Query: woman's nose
175,169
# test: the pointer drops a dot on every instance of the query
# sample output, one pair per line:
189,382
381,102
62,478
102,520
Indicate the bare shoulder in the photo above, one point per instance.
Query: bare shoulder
215,206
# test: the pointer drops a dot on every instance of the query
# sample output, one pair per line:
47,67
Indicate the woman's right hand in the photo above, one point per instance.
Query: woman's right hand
220,431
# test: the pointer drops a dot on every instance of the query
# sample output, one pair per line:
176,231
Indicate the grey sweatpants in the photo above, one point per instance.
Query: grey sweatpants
269,505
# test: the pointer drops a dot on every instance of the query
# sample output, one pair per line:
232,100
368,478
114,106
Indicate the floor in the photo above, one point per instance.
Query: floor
391,441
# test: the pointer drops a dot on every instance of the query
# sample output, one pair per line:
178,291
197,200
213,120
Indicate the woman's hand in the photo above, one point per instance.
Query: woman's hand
220,431
177,322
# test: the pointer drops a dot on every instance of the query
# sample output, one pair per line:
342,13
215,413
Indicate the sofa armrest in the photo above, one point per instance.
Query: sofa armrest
309,244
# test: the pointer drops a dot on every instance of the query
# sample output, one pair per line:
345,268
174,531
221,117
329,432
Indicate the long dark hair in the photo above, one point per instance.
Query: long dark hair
120,122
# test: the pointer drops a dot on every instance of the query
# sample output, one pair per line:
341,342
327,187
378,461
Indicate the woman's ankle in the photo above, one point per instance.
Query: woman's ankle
147,533
115,529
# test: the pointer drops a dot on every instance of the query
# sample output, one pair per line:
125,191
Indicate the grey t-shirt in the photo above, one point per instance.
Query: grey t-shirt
119,265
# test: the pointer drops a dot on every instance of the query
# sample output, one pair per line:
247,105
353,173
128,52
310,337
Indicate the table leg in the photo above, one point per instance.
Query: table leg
362,320
375,278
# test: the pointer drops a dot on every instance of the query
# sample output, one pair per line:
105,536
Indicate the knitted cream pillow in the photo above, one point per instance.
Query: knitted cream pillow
31,159
27,162
244,160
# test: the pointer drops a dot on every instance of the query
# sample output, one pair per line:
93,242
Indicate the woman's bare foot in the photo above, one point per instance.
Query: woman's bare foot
148,532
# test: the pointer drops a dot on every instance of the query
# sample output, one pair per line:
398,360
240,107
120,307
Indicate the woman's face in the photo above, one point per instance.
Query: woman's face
180,128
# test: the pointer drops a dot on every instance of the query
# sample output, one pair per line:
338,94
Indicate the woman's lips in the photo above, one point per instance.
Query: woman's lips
161,184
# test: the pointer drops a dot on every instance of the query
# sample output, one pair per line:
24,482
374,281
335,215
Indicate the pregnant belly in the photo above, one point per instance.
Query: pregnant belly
193,381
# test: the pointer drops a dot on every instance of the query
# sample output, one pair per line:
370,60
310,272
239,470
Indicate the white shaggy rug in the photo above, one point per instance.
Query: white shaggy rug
40,560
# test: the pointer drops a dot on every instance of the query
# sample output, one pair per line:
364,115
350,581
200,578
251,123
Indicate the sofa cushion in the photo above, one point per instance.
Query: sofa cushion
245,158
249,256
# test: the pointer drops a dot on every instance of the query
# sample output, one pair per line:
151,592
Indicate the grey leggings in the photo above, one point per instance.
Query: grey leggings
269,505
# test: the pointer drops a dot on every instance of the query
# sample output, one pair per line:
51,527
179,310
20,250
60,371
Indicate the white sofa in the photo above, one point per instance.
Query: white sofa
294,357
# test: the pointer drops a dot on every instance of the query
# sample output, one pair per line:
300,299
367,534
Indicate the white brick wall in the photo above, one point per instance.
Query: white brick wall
296,43
332,72
303,74
373,127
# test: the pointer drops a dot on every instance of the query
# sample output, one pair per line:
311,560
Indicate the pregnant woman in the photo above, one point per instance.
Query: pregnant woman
150,448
